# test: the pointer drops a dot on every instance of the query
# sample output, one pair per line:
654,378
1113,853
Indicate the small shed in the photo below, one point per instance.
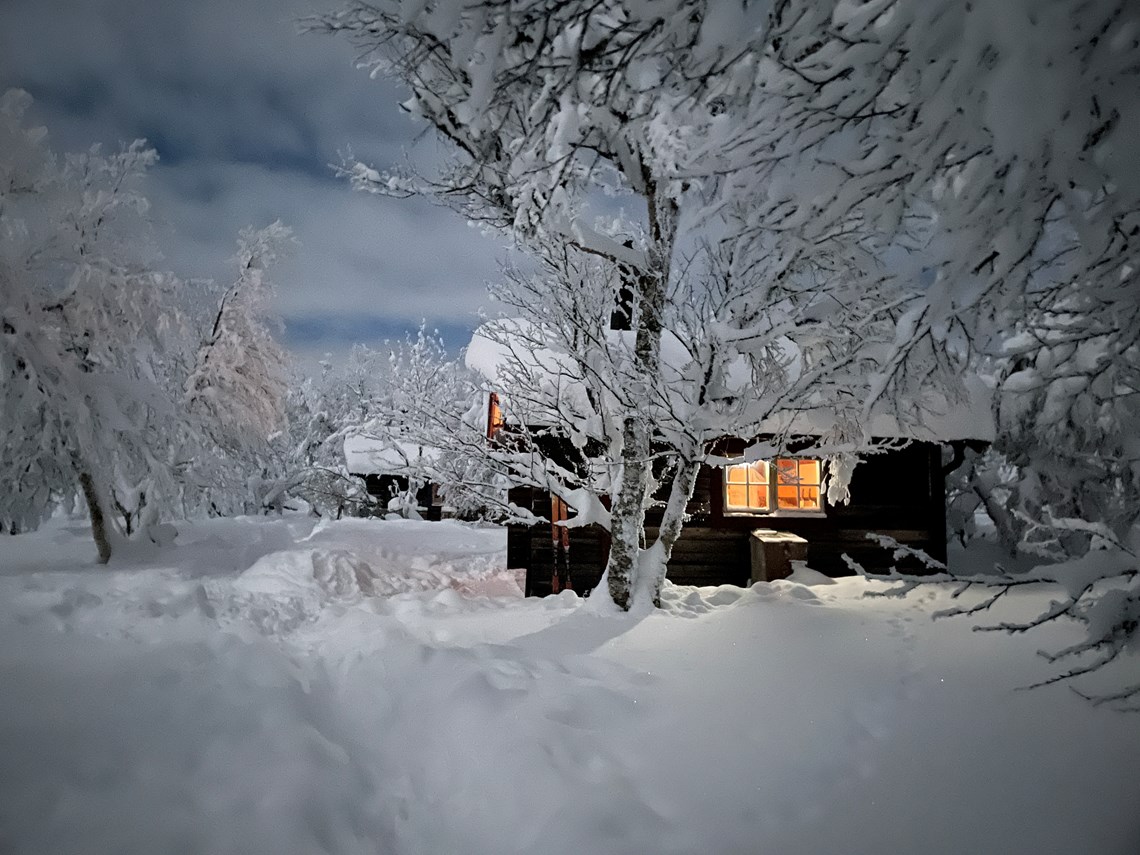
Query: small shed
391,469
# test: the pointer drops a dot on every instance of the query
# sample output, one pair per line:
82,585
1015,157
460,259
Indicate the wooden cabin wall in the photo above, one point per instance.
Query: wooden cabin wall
384,487
899,494
532,548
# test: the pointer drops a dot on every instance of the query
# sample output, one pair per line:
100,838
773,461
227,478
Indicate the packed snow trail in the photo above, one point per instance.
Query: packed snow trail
272,686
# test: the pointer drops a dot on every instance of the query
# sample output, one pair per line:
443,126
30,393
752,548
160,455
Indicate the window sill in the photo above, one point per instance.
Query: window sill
776,514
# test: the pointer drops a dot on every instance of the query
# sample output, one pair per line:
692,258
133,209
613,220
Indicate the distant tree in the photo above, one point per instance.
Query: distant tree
429,422
321,411
386,395
237,388
102,392
89,337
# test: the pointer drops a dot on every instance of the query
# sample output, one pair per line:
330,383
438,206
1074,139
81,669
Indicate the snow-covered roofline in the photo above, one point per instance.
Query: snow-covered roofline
968,417
365,455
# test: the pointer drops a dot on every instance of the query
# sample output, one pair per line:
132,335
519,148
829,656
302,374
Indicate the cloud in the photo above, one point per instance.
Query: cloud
357,254
247,117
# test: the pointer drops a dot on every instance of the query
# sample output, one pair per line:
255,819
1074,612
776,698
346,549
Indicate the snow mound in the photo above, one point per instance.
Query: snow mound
290,707
207,746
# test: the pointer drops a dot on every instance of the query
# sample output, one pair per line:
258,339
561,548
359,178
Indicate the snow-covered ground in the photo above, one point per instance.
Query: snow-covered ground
271,686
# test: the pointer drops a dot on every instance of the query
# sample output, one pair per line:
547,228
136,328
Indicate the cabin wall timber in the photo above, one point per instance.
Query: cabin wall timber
383,488
899,493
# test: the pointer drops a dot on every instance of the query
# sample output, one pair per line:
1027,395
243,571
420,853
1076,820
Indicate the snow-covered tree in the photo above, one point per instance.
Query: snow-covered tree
551,106
307,458
388,397
89,337
1007,128
1006,131
424,422
103,395
238,385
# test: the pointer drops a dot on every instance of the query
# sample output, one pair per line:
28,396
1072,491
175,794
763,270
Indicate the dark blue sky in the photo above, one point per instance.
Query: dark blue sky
248,118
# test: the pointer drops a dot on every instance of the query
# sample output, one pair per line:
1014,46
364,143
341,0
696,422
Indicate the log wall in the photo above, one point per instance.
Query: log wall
899,494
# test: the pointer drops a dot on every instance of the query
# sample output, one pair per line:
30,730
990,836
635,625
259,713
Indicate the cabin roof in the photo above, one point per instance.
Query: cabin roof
968,416
366,455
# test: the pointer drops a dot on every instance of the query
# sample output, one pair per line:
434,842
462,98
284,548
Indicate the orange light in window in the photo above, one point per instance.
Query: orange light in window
797,484
746,486
495,420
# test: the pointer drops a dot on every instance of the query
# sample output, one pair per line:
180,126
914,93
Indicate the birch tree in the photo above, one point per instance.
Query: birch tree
550,106
102,393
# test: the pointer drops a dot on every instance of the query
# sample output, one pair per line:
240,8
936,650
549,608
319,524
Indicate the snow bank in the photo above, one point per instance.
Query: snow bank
345,692
199,744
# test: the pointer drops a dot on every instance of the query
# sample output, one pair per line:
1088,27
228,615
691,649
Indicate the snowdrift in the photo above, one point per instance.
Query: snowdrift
275,686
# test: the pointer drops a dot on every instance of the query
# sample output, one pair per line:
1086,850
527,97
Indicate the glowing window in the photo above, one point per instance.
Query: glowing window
788,484
797,484
746,487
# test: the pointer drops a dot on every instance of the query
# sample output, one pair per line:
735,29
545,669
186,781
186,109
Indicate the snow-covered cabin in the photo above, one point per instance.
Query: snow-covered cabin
750,514
389,470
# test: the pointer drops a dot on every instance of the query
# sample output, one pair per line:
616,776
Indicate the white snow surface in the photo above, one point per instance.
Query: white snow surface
271,685
366,455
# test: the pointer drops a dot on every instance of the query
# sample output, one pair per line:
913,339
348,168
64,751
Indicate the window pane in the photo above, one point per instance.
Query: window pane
786,471
758,497
746,486
787,497
809,472
797,487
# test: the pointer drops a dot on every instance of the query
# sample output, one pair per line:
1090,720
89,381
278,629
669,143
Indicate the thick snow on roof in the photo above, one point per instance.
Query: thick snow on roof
943,420
364,455
490,357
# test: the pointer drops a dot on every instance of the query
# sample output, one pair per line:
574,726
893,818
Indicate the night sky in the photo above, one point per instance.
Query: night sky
248,119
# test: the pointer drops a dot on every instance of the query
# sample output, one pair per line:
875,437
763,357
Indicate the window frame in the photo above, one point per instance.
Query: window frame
748,486
773,509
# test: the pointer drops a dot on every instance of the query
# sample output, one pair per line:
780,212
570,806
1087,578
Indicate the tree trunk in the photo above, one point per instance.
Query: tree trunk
98,519
627,520
672,521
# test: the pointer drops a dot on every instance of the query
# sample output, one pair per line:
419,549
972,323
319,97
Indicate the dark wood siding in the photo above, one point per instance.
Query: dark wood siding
898,493
385,487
